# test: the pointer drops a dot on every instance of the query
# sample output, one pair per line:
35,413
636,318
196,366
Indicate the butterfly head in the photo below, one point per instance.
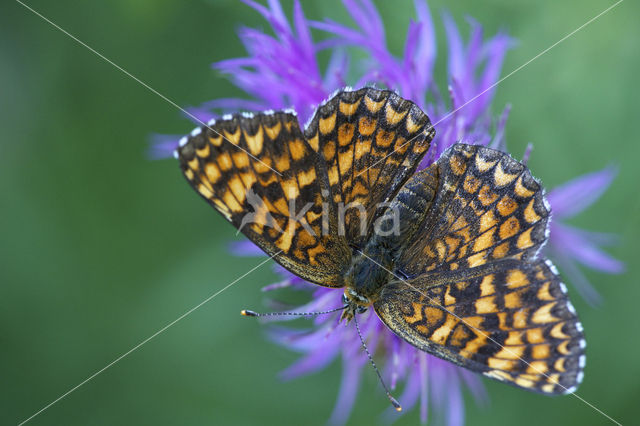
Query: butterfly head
355,304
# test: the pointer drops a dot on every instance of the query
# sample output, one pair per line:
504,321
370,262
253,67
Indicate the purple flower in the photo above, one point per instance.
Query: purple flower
281,70
568,245
425,381
161,146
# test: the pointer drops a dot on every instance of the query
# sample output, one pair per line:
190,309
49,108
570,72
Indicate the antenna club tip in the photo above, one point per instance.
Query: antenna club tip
248,313
396,404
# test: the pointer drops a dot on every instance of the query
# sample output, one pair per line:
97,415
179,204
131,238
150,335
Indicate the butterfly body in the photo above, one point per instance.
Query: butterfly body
448,257
370,271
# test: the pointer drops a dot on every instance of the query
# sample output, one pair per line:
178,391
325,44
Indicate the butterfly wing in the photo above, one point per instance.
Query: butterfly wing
510,320
473,224
290,192
260,174
369,142
482,206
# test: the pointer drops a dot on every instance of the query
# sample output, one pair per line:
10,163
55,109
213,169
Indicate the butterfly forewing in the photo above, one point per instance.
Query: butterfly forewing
260,173
299,196
486,206
369,142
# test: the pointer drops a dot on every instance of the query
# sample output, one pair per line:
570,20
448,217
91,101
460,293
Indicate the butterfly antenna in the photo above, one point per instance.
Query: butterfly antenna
248,313
394,402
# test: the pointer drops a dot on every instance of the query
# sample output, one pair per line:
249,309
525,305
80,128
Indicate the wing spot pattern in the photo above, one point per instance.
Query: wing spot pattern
273,131
501,177
367,125
327,124
255,142
530,214
203,152
224,161
345,134
215,140
521,190
349,109
516,278
457,164
234,137
506,206
394,117
372,105
509,228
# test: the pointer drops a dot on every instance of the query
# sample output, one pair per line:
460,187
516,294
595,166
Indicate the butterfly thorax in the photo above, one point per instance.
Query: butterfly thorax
370,270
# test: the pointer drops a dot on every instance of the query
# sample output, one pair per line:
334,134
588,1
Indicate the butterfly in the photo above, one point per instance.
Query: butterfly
448,257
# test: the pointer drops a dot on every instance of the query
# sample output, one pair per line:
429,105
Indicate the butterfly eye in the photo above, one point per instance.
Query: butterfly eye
361,309
344,299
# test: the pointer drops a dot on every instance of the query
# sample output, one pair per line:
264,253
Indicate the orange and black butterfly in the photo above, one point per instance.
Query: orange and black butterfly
448,257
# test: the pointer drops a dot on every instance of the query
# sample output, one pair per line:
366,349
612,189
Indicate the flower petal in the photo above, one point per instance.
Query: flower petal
162,146
245,248
314,361
348,390
570,269
576,195
572,242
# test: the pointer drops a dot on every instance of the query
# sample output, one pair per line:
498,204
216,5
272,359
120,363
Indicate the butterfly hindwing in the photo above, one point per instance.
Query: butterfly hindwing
510,320
260,174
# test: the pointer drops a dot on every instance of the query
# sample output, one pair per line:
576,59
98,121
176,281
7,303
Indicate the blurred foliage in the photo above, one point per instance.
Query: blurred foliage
101,248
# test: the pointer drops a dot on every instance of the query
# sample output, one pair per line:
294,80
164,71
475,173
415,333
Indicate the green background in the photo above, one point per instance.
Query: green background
100,248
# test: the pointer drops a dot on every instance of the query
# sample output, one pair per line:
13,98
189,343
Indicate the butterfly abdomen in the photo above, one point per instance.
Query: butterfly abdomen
372,268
